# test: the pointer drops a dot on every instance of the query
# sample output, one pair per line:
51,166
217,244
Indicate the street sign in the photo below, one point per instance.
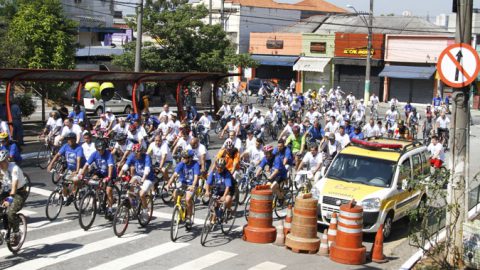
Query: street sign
458,65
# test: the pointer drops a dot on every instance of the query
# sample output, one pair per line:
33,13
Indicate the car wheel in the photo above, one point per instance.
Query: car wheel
127,110
387,226
99,111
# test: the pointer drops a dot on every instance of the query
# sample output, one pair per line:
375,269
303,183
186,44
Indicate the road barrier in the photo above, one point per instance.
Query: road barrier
332,229
260,219
323,251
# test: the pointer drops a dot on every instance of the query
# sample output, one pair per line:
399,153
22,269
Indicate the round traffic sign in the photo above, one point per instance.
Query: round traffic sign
458,65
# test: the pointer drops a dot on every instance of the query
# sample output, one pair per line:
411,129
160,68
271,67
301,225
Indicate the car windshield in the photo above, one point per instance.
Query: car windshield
362,170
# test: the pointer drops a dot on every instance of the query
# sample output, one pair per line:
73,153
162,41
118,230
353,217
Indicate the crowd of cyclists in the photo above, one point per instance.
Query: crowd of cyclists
293,132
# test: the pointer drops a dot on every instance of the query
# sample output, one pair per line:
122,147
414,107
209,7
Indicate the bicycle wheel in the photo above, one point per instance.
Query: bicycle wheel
281,206
57,173
207,228
144,216
54,204
166,195
22,226
121,220
43,156
246,209
88,210
229,218
243,190
28,185
175,223
218,127
79,193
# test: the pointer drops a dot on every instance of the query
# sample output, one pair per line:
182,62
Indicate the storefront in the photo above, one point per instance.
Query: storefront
350,63
315,65
409,70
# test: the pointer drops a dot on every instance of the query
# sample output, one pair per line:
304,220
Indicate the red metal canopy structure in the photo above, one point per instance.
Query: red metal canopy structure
83,76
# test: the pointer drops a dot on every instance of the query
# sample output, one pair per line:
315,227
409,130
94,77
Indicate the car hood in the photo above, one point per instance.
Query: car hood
346,190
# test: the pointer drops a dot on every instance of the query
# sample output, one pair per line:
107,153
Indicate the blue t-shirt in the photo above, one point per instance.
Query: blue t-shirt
153,120
132,117
275,164
102,162
220,180
437,101
408,108
349,129
140,165
317,133
71,155
187,172
358,136
286,153
77,117
14,152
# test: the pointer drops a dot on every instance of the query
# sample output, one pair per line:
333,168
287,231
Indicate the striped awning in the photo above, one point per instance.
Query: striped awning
313,64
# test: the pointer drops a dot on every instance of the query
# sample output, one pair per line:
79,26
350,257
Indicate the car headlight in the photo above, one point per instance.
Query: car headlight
315,193
371,204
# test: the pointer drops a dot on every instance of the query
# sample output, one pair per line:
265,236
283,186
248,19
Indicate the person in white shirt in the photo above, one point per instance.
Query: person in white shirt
393,102
351,98
257,122
371,130
361,106
102,122
225,111
166,112
341,137
251,140
287,131
374,100
112,121
254,154
442,123
135,135
201,154
164,127
182,142
88,146
174,124
205,121
292,85
313,161
271,115
233,125
53,127
332,126
357,117
121,127
237,143
121,149
391,116
437,153
161,155
382,130
68,127
238,109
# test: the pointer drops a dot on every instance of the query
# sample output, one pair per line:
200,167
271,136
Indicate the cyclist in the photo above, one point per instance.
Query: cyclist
223,180
276,168
370,129
13,193
391,116
104,169
121,126
77,115
342,137
295,142
233,125
237,143
332,126
112,120
74,157
407,108
250,140
121,149
161,155
188,172
254,153
201,154
12,148
88,146
231,155
329,148
413,119
357,134
437,102
135,135
314,132
374,101
442,124
141,170
401,132
284,153
68,128
314,163
437,153
53,126
204,123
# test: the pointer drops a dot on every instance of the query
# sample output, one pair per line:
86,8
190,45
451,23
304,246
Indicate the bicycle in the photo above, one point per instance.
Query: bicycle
56,199
28,184
6,231
179,214
59,169
131,208
374,112
94,201
244,185
45,152
218,215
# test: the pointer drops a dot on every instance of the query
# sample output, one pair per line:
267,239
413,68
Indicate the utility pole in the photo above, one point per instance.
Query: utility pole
458,141
138,48
210,12
368,67
222,14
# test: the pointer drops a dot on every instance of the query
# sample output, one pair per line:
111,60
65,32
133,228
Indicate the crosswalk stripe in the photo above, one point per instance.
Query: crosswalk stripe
41,191
55,239
268,266
142,256
168,216
27,212
71,253
46,224
206,261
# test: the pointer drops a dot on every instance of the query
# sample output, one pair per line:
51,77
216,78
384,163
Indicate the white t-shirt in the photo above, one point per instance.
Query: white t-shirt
163,127
111,119
166,114
184,144
443,123
103,123
374,100
137,137
199,151
312,161
370,131
88,149
257,123
237,143
157,152
343,140
231,127
437,150
205,121
256,155
54,123
271,115
118,129
75,129
392,115
329,127
250,143
15,173
123,148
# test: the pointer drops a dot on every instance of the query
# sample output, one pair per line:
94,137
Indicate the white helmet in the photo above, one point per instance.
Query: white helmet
3,155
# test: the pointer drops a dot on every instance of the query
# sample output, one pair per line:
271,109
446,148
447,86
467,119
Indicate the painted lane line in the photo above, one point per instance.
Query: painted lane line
46,224
27,212
71,253
268,266
205,261
41,191
142,256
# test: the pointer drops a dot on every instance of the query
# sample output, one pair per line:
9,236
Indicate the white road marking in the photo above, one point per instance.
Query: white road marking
205,261
46,224
27,212
268,266
168,216
141,256
41,191
54,239
71,253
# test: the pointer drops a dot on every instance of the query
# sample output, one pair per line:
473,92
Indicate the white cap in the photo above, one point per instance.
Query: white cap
108,110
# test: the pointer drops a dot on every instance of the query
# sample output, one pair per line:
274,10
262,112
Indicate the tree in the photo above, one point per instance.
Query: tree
183,42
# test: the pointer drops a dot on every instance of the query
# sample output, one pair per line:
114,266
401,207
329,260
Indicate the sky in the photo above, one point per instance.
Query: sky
420,8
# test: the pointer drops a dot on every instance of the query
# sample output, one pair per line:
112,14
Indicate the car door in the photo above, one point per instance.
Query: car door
403,195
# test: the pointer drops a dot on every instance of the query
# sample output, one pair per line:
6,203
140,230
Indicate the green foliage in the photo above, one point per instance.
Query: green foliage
26,104
182,41
40,36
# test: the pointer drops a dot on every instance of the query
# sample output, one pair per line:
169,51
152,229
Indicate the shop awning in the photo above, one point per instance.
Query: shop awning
407,72
275,60
313,64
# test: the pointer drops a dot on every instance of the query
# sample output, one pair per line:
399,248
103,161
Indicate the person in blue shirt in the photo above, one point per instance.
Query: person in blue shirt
151,122
284,153
316,132
77,115
132,117
74,158
357,134
11,147
140,165
104,165
188,172
223,182
437,101
192,114
407,108
348,127
277,170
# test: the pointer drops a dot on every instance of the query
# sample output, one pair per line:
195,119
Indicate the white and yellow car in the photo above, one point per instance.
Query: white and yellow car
375,173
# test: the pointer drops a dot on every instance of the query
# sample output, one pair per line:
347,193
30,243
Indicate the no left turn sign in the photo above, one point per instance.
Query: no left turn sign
458,65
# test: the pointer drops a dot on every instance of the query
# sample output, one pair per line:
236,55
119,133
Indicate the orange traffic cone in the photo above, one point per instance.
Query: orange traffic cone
287,225
332,229
323,251
377,248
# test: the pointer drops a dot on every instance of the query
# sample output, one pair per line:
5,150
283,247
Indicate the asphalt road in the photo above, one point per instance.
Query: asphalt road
62,244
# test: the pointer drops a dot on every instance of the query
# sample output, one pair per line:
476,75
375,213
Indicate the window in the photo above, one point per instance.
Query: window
274,44
417,165
425,166
405,170
318,47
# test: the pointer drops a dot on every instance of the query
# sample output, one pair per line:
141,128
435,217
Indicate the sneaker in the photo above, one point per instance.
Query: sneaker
188,223
109,214
15,238
69,200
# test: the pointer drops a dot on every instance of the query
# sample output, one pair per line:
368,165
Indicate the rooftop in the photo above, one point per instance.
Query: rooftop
305,5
